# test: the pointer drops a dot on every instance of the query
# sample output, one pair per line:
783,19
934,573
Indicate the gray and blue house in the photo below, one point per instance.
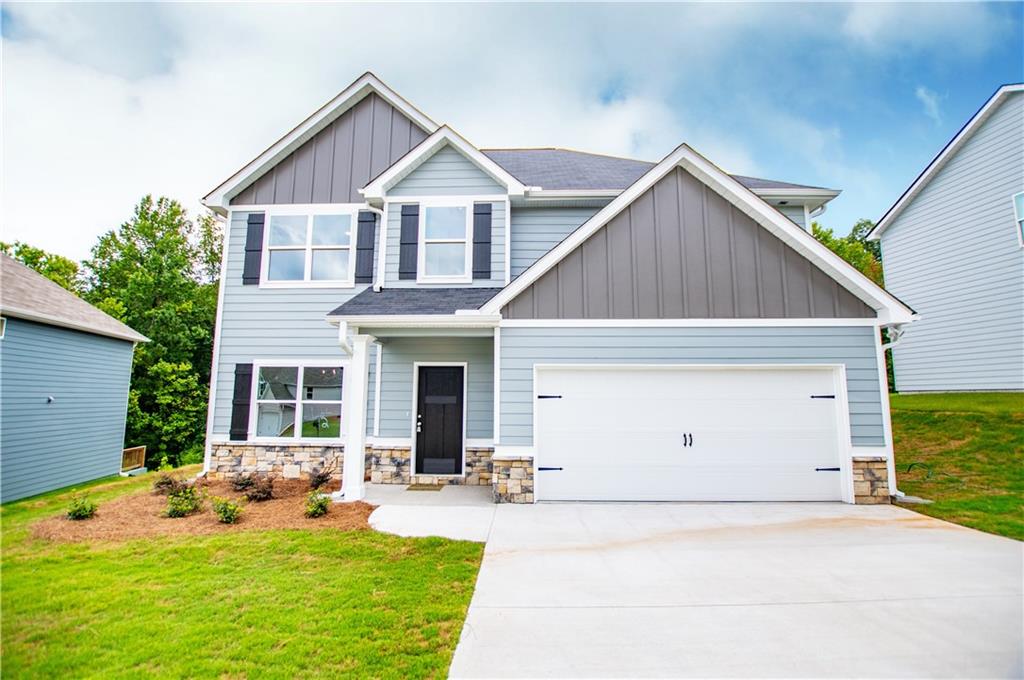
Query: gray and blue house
65,369
953,248
402,306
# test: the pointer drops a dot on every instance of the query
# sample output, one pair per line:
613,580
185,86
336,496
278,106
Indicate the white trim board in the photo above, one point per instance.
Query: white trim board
890,310
219,198
683,323
940,160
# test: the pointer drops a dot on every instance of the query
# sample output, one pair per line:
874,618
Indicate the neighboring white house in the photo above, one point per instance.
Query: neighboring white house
953,249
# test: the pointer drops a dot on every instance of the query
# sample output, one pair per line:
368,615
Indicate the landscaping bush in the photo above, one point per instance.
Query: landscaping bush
244,482
228,511
262,489
317,504
165,484
81,508
319,478
184,502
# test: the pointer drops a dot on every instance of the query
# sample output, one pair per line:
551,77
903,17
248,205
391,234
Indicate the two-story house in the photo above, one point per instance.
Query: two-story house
556,324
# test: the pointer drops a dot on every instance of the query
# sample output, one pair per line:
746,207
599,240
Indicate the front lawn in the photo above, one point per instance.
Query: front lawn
965,451
277,603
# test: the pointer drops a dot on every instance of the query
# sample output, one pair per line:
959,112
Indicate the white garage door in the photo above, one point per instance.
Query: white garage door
685,434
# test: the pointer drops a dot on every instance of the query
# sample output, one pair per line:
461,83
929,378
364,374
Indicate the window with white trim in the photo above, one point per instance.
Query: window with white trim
445,247
309,396
1018,212
313,246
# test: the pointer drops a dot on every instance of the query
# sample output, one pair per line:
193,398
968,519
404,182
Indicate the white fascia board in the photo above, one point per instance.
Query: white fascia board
688,323
218,198
379,185
539,194
940,160
419,320
797,194
768,217
51,320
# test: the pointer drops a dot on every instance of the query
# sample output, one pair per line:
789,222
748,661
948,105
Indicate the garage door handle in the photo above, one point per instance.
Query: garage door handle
826,469
547,469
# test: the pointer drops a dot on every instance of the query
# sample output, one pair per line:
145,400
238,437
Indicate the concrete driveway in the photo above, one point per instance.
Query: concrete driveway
752,590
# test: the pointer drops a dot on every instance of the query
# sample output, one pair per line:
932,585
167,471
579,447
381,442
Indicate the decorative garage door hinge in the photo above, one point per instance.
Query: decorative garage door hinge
823,396
547,469
549,396
826,469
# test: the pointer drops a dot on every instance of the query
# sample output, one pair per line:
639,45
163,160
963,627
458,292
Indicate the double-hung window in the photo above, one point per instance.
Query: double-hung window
445,247
311,246
298,402
1018,213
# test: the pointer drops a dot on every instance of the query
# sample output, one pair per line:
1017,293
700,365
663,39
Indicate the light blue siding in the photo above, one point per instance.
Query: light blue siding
522,348
394,234
397,377
953,255
80,435
795,213
535,231
447,173
269,323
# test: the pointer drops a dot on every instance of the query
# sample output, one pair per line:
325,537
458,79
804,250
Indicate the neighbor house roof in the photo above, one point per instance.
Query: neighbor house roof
25,294
419,301
940,160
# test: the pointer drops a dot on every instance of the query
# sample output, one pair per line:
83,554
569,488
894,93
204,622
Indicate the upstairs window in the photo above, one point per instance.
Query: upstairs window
298,402
445,239
313,247
1018,212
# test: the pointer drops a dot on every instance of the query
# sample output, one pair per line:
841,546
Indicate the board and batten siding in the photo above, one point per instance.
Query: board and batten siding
80,435
953,255
270,323
535,231
396,400
339,160
681,250
447,173
523,348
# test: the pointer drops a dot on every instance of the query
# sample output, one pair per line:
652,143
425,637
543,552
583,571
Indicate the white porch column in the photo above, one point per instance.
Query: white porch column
352,486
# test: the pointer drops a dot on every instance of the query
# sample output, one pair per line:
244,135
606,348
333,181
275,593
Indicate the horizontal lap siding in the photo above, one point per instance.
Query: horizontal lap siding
535,231
953,255
80,435
447,173
265,323
854,347
795,213
397,379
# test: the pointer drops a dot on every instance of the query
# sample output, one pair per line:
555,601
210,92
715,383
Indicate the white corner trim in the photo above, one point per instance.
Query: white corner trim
215,358
376,387
443,136
890,310
321,118
940,160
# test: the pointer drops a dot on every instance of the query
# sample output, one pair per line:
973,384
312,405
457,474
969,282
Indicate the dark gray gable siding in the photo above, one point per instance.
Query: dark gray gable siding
340,159
680,250
80,434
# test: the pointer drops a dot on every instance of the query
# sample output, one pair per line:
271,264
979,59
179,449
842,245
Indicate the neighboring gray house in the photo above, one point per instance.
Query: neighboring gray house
65,368
556,324
953,249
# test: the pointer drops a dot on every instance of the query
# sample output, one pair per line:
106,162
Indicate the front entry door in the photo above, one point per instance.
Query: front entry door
439,420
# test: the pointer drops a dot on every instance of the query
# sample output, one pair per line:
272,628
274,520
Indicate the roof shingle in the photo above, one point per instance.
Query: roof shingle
401,301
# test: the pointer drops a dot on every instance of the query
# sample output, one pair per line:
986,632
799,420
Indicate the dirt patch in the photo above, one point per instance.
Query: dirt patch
140,515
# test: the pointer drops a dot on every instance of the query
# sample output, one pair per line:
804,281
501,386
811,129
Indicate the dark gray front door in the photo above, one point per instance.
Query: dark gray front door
439,420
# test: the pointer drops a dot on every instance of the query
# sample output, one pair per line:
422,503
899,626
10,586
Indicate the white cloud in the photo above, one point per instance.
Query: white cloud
929,102
959,28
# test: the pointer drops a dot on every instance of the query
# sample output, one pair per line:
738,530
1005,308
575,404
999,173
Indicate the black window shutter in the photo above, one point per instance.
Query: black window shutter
482,241
240,400
253,250
409,241
365,239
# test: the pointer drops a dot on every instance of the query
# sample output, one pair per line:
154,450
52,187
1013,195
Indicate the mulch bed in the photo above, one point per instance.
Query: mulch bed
140,515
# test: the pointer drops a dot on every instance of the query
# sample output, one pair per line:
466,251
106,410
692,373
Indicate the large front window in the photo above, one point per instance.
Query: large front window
301,402
310,247
445,241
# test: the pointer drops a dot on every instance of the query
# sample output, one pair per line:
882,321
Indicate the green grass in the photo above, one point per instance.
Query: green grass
965,451
249,604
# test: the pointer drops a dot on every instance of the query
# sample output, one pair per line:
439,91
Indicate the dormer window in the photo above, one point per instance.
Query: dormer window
445,238
310,246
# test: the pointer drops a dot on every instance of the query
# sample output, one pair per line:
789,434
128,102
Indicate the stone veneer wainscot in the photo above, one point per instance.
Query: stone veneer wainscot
291,461
393,465
870,480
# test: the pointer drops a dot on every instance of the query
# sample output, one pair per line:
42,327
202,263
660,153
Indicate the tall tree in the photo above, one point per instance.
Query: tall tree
57,268
157,273
851,249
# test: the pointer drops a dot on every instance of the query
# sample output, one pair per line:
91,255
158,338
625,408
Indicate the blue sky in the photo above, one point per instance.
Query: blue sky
103,103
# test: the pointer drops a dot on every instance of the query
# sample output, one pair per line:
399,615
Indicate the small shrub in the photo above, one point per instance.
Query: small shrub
184,502
165,464
319,478
228,511
244,482
165,484
262,489
317,504
81,508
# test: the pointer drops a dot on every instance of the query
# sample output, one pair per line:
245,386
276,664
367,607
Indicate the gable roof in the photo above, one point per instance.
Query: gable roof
889,309
943,157
26,294
218,198
443,136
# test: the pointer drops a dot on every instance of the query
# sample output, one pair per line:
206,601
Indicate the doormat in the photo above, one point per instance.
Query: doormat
424,487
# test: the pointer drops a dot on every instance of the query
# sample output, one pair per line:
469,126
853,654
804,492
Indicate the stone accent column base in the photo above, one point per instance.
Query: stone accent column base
390,465
229,460
513,479
393,465
870,480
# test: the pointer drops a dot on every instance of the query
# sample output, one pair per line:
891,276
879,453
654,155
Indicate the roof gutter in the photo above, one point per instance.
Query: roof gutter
50,320
457,320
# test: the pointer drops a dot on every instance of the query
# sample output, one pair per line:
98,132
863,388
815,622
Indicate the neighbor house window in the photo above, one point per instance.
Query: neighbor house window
302,402
310,247
1018,212
445,243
